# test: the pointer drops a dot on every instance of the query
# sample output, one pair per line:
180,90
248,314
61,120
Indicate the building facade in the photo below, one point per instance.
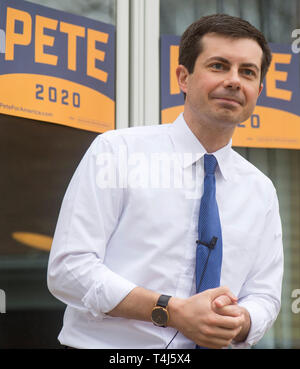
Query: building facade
39,159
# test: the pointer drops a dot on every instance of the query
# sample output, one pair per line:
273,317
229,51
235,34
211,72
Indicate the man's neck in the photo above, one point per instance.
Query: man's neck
212,136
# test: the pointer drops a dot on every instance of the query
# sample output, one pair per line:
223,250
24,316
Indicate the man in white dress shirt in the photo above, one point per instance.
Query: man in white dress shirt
127,229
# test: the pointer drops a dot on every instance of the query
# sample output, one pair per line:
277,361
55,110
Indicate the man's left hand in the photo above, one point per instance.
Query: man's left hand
224,305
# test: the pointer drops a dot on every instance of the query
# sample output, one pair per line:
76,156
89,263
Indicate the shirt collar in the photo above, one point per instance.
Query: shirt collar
191,150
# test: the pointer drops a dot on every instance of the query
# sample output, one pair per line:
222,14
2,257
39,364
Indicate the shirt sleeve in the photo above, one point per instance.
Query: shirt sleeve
261,293
90,211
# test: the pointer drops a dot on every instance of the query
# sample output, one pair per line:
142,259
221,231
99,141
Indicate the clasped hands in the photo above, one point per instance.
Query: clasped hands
211,318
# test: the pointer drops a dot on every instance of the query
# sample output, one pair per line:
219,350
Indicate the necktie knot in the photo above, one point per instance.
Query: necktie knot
210,164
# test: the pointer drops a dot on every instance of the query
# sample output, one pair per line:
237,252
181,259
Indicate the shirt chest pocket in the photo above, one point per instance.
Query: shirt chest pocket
239,249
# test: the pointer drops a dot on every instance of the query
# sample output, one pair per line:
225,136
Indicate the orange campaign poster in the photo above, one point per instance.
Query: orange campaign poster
56,67
275,122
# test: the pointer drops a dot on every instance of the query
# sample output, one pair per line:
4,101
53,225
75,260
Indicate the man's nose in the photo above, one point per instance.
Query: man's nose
232,80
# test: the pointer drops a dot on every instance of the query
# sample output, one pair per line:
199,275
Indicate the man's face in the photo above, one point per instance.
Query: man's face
225,84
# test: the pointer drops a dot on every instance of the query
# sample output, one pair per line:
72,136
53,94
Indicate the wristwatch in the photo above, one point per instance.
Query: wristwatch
160,314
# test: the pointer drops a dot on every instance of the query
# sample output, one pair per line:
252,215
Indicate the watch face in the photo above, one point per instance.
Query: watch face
160,316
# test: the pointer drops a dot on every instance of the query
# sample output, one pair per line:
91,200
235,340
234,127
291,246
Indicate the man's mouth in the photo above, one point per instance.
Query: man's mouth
229,99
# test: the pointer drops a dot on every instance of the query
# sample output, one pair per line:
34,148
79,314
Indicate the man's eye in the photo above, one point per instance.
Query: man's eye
249,72
218,66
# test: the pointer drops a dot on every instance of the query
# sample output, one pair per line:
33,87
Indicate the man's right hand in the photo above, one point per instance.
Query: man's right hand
197,320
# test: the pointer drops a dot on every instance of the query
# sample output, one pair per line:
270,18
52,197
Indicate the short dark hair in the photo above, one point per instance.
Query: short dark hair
225,25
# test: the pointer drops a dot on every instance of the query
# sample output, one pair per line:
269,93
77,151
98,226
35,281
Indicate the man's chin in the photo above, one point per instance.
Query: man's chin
229,119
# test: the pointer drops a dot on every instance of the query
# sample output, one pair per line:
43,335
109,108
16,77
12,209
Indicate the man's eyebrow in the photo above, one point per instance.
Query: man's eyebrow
223,60
251,65
218,58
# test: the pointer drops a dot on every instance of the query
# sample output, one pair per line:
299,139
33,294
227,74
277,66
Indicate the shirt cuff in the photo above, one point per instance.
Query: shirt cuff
258,327
106,294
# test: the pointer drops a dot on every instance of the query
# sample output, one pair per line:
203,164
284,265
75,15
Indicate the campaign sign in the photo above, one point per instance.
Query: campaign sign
275,122
56,67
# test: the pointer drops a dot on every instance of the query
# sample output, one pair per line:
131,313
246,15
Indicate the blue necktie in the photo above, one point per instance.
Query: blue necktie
209,243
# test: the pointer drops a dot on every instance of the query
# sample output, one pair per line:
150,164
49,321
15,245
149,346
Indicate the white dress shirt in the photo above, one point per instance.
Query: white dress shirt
129,218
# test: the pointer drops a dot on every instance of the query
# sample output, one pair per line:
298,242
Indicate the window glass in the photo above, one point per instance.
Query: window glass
281,165
38,160
101,10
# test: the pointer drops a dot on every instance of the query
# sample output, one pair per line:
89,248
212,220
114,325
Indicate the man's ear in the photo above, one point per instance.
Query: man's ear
182,77
260,89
